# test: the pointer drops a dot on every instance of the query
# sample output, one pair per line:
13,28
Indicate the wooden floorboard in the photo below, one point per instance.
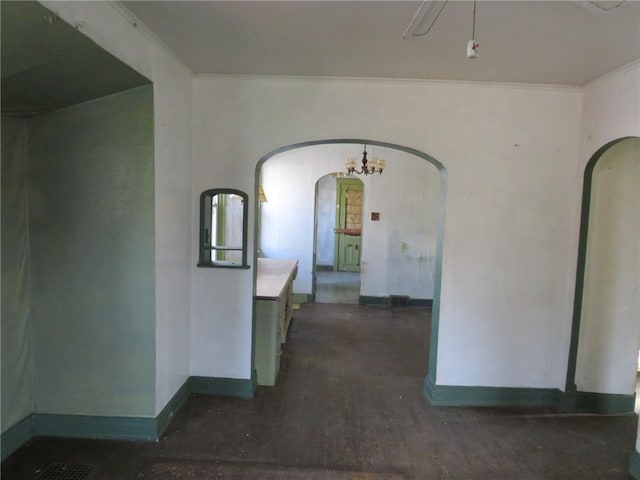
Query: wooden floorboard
348,405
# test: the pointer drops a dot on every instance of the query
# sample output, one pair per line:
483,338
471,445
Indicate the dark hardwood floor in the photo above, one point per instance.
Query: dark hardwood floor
348,405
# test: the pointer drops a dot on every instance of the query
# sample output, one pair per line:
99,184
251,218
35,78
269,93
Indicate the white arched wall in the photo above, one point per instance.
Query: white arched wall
510,154
398,251
610,316
610,111
610,120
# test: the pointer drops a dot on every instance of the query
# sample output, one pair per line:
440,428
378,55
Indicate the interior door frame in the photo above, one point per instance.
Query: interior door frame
569,396
430,380
339,182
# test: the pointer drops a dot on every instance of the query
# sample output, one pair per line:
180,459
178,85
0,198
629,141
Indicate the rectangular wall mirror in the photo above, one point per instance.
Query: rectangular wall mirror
223,228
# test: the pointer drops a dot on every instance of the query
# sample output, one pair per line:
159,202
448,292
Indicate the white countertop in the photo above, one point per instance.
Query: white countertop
273,275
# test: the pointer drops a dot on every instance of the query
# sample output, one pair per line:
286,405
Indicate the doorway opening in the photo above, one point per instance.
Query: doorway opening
337,239
605,338
398,258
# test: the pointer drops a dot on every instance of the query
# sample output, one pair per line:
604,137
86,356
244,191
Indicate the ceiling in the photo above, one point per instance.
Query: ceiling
47,64
549,42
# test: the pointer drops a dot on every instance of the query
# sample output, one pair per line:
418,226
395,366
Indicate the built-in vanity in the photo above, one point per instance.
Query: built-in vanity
274,310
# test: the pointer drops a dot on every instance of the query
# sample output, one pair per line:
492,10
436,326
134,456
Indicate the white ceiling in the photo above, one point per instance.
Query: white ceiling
552,42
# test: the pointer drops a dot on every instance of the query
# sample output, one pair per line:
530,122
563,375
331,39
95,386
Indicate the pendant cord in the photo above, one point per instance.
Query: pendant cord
473,32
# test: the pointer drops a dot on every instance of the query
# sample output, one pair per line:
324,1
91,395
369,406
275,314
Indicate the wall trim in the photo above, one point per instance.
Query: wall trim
139,26
421,302
16,436
395,300
576,319
618,72
585,402
390,80
121,428
371,300
593,402
453,395
223,387
634,465
172,407
93,426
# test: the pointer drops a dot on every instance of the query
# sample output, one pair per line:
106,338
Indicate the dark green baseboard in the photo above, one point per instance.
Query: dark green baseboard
395,300
450,395
421,302
93,426
172,407
223,387
634,465
77,426
604,402
121,428
16,436
369,300
584,402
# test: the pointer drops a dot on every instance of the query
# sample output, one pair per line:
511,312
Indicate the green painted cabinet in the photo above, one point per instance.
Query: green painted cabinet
274,311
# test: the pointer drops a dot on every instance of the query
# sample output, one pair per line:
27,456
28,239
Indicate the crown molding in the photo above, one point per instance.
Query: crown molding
138,25
618,72
397,81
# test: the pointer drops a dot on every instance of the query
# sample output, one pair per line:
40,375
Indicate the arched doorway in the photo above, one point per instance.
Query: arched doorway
602,366
336,254
438,233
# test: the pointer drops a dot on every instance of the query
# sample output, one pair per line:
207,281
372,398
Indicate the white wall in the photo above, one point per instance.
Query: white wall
611,110
510,153
397,252
110,29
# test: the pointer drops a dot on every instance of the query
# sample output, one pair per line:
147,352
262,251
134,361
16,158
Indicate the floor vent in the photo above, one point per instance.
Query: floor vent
66,471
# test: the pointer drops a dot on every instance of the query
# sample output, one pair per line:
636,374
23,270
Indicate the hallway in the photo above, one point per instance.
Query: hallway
348,405
337,287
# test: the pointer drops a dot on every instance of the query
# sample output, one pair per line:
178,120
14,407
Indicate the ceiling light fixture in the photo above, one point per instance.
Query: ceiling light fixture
375,165
424,19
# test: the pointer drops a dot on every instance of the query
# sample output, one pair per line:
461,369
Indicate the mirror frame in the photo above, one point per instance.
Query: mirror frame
204,248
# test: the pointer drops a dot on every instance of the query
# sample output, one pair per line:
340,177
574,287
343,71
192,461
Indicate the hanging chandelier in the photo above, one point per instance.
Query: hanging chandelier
375,165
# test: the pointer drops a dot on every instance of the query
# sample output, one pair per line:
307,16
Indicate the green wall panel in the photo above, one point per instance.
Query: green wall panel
91,194
17,365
